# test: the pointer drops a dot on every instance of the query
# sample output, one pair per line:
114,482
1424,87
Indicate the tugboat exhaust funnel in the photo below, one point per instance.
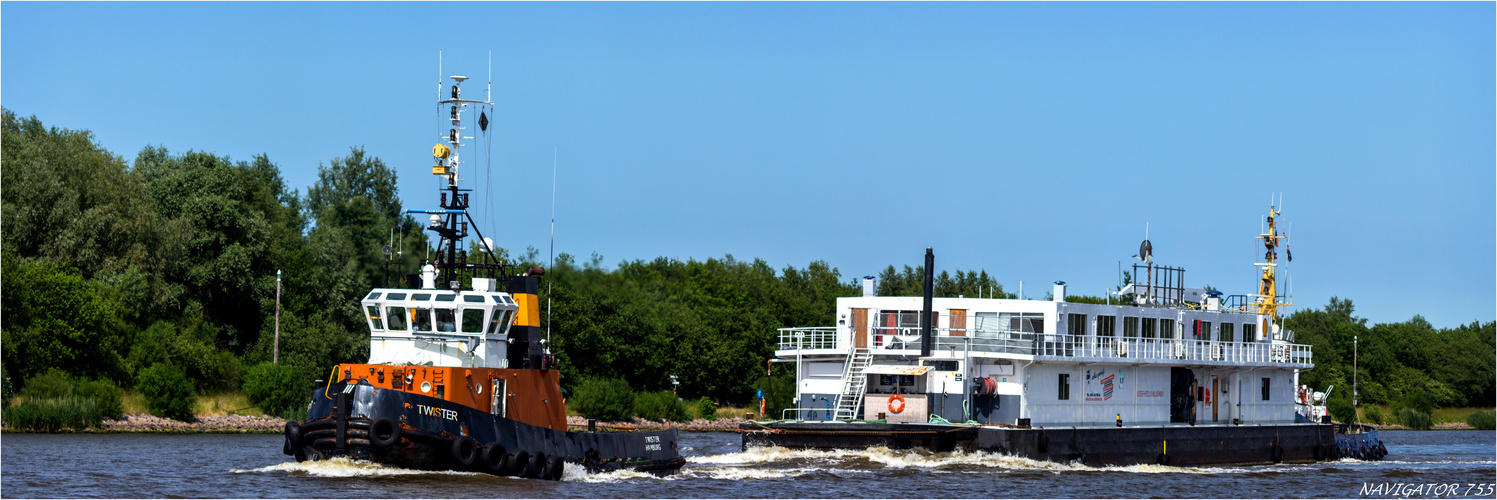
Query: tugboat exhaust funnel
927,343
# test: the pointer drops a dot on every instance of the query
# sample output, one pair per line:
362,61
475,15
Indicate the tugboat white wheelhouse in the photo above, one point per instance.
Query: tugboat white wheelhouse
460,375
1174,375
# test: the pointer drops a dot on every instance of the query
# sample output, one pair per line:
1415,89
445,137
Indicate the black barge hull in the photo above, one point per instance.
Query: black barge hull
412,431
1093,446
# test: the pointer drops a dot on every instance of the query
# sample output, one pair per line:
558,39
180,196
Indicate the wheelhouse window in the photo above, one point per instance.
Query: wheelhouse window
473,320
1150,325
1130,327
500,323
374,320
1249,333
421,319
1202,330
1225,334
1166,328
446,320
396,317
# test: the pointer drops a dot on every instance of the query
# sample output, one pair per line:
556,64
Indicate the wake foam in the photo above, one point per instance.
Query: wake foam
885,458
343,467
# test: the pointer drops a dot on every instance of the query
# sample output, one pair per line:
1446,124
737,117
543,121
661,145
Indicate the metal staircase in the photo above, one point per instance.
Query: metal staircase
854,384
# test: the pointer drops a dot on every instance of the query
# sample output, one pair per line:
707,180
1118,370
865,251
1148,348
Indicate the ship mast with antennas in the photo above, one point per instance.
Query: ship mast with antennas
1269,299
452,221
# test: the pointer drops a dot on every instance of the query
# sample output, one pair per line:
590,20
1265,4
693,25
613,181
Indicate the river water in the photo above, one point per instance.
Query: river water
237,465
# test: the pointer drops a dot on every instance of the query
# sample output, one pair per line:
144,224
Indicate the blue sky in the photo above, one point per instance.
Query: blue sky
1033,140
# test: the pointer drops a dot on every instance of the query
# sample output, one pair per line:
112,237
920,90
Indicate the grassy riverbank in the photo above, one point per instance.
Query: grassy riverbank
207,405
1386,417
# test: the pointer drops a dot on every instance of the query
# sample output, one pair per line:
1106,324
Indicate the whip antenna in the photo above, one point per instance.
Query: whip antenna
552,257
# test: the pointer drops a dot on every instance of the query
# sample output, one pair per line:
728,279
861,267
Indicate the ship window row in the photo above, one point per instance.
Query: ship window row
438,319
471,298
959,323
1148,328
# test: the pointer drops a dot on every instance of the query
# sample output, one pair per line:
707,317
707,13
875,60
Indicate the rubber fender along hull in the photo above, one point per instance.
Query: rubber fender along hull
433,434
1178,445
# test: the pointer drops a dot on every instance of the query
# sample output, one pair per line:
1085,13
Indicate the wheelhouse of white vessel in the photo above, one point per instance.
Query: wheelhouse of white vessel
439,327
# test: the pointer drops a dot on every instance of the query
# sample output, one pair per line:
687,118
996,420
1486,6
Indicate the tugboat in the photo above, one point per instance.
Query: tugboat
1159,374
460,373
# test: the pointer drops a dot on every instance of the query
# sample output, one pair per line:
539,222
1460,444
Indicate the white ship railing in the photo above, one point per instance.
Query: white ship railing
808,338
904,341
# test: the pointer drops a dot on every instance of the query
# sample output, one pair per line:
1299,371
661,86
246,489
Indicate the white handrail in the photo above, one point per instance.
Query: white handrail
1060,345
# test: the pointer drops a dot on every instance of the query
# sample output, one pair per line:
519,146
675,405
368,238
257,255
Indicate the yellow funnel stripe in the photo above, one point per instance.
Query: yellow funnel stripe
530,310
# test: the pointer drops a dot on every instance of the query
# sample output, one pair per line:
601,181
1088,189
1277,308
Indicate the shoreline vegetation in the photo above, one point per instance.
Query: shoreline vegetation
146,286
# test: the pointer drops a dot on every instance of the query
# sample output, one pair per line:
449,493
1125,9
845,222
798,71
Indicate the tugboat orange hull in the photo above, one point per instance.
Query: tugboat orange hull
358,419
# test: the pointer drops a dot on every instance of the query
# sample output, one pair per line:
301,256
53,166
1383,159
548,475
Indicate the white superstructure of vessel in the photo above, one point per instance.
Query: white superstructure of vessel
1170,355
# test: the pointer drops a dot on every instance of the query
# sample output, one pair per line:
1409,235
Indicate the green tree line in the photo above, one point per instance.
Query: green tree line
140,271
112,267
1405,364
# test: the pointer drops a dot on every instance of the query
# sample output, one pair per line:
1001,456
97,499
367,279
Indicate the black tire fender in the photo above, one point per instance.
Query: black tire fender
534,466
293,435
494,456
516,463
465,451
383,433
555,466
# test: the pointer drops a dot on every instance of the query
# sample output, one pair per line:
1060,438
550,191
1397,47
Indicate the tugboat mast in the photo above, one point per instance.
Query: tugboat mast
452,222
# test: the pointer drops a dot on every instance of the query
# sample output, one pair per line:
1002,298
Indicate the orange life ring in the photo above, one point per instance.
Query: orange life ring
890,403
